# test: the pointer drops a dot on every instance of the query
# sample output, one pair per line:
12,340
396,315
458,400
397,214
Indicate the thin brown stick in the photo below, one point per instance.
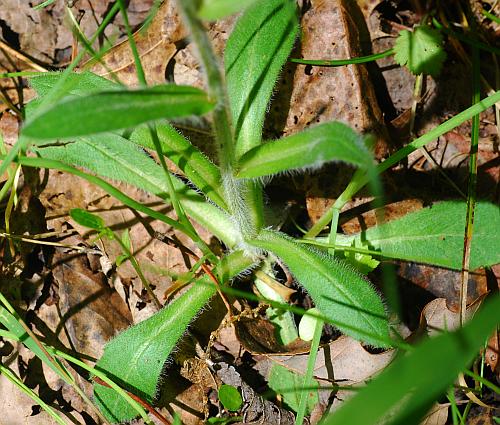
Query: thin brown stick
4,46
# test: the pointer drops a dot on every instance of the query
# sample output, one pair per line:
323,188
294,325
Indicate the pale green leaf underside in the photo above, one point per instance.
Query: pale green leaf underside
217,9
115,110
136,357
435,236
196,166
310,148
254,55
80,83
421,50
111,156
405,391
341,294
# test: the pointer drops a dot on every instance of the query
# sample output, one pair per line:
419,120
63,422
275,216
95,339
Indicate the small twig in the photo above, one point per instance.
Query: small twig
204,267
139,400
5,47
212,277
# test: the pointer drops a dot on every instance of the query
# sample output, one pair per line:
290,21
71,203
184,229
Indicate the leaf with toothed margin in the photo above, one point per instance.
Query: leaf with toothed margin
340,293
135,358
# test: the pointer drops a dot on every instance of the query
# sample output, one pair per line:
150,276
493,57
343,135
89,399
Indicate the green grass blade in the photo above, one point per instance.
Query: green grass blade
255,53
217,9
404,392
135,358
339,292
115,110
343,62
11,376
308,149
196,166
436,236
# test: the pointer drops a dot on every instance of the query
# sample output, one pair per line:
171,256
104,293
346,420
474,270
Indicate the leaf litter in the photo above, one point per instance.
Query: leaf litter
167,53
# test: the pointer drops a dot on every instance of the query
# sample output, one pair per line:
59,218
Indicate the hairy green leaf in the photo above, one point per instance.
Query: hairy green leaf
435,236
80,83
196,166
216,9
310,148
135,359
420,50
255,52
340,293
115,110
114,157
404,392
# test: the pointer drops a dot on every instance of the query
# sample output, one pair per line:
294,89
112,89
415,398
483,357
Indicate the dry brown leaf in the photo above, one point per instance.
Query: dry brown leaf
92,312
437,415
437,317
445,283
343,361
156,46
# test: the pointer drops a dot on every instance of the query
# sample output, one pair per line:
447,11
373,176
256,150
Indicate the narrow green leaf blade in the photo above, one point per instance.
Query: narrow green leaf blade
87,219
404,392
196,166
217,9
135,358
80,83
117,158
340,293
254,55
308,149
115,110
11,323
435,236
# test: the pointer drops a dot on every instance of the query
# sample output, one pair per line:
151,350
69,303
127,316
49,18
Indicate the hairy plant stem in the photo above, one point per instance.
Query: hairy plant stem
243,197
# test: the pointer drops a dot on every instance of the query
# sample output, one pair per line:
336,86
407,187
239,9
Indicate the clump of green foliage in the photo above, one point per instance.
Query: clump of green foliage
105,127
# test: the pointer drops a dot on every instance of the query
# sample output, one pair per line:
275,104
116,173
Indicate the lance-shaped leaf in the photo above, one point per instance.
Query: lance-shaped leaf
308,149
254,55
79,83
196,166
341,294
404,392
435,236
135,358
115,110
114,157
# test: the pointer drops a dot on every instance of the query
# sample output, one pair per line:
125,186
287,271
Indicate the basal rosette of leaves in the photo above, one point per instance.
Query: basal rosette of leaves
105,128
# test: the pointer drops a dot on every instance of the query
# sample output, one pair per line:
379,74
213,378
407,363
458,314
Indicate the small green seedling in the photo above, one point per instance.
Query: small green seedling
230,398
421,50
